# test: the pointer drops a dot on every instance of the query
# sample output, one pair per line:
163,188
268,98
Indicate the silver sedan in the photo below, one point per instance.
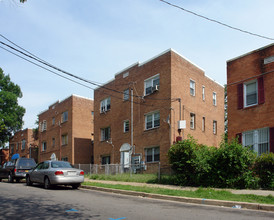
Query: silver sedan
55,173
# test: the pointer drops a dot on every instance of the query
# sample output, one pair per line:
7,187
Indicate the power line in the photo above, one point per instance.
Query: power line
218,22
30,55
45,68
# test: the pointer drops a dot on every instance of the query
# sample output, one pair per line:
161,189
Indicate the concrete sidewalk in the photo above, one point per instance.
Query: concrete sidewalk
231,204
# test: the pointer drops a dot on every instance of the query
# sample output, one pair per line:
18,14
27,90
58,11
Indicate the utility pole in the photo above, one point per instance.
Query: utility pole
131,112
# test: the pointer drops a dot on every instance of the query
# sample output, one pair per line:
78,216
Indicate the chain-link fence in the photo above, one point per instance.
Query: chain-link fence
113,169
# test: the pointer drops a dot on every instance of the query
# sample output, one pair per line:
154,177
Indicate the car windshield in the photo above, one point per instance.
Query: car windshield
26,163
61,164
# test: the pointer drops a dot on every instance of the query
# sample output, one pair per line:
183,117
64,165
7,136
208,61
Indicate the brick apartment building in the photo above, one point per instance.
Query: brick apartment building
65,131
250,84
24,143
166,89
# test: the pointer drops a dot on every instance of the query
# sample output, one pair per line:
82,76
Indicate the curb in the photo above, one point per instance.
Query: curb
231,204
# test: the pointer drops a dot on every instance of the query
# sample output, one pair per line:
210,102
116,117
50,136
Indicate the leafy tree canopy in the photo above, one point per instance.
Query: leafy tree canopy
11,114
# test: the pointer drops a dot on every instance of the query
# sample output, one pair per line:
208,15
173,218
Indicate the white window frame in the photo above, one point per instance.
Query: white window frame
126,126
64,139
64,117
256,137
53,121
43,125
126,95
192,121
214,127
107,159
153,149
245,93
44,146
203,93
192,87
103,134
153,120
23,147
214,97
152,84
105,105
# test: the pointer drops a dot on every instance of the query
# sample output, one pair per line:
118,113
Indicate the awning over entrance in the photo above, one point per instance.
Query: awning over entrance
125,147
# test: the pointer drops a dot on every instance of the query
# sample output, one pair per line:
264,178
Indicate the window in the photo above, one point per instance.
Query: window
214,127
11,148
203,124
126,126
105,134
192,121
152,154
53,121
152,120
64,117
203,93
64,159
44,146
43,125
257,140
64,139
53,142
214,98
17,146
105,160
152,84
250,93
126,94
269,60
23,144
192,88
105,105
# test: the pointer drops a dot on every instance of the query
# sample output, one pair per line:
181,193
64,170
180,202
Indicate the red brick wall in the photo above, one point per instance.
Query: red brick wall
182,72
78,125
244,69
18,137
174,83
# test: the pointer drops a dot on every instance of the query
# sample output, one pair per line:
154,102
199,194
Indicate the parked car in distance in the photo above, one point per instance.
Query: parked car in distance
51,173
18,168
4,173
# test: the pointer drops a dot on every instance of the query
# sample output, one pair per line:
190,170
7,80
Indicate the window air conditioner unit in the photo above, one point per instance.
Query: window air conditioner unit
155,88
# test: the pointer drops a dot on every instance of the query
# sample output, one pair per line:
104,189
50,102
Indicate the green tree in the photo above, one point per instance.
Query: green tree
11,114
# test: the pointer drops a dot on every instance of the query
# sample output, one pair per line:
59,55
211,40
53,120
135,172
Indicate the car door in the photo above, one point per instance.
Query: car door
43,172
36,172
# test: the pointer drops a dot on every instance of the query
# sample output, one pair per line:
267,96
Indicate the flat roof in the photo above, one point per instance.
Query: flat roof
248,53
58,101
147,61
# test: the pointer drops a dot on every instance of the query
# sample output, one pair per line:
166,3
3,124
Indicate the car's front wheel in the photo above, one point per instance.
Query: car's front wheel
10,178
47,184
28,181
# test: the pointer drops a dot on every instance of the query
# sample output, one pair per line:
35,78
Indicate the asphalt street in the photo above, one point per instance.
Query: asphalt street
19,201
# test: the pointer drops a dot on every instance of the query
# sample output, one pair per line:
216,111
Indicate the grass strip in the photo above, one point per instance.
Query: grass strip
204,193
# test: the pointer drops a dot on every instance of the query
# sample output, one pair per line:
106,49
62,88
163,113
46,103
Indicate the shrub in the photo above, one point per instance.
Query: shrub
190,162
199,165
232,165
264,167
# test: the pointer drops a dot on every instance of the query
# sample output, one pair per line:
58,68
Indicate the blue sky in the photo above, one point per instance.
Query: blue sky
95,39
